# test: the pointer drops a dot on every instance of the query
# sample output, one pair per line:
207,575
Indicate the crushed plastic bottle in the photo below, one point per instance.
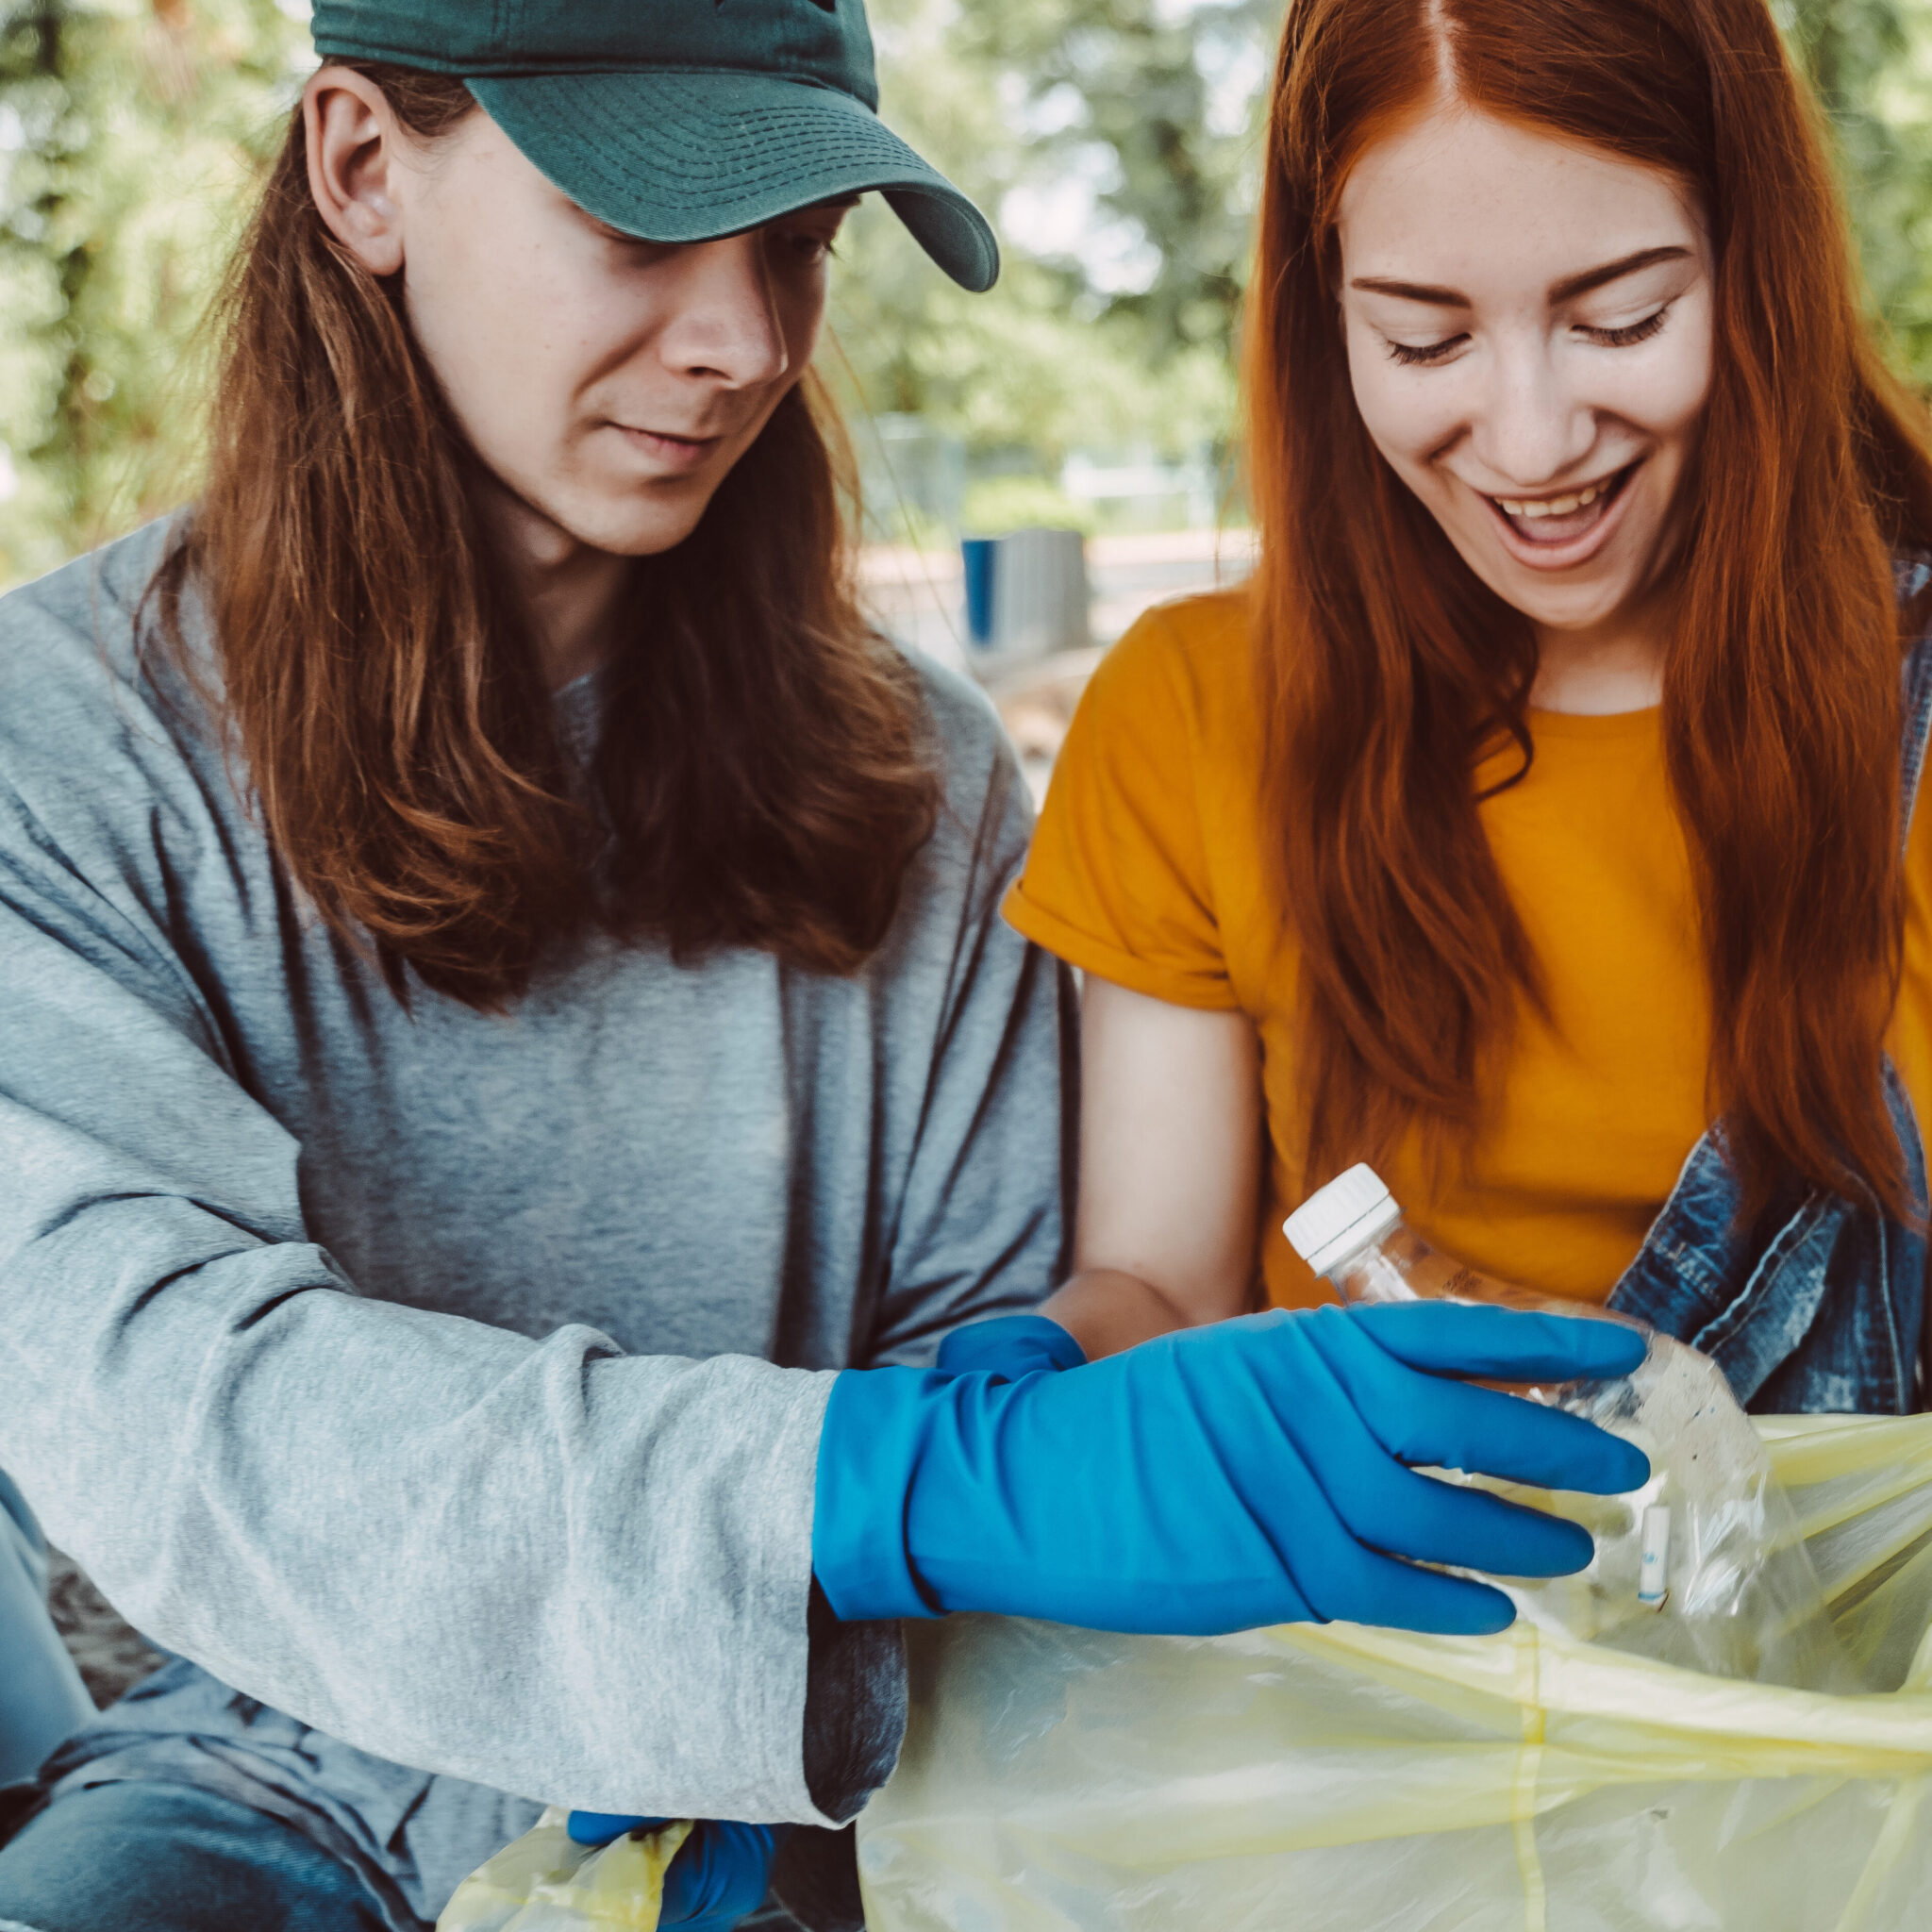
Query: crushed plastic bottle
1705,1567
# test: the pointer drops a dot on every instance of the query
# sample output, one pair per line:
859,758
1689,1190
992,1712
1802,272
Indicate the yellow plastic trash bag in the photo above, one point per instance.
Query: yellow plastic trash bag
546,1883
1338,1778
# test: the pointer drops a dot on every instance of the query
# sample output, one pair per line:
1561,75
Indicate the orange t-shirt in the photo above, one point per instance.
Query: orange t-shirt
1148,870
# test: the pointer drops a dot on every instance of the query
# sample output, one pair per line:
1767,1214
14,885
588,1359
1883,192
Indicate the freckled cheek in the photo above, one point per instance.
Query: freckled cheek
1665,393
511,378
555,347
1409,423
1408,414
1668,408
509,361
496,312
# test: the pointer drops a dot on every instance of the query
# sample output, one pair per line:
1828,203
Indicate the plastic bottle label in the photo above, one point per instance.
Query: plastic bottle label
1653,1566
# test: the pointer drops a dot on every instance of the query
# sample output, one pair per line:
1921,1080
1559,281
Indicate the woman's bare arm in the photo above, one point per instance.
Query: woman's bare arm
1170,1169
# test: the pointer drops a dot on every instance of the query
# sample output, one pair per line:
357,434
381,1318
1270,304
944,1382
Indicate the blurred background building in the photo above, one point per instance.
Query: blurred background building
1116,142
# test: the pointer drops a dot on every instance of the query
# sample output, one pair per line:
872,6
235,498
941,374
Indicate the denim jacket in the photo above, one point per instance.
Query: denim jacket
1820,1306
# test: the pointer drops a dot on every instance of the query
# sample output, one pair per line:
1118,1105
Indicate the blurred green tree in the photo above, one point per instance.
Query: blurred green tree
1116,142
1871,62
1070,350
129,133
1156,106
1112,143
1161,94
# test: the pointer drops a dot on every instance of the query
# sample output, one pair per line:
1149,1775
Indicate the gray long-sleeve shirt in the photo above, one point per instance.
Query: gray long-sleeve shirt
450,1384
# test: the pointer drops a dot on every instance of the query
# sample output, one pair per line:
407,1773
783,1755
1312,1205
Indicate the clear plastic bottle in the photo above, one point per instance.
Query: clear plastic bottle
1705,1566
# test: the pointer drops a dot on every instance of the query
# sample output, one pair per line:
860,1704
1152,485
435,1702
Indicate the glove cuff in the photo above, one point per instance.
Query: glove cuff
876,1426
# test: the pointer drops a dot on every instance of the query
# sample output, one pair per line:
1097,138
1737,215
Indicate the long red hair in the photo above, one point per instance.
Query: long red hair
1389,669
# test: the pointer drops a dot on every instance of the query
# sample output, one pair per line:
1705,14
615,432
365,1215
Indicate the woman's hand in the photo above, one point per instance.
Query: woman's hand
721,1873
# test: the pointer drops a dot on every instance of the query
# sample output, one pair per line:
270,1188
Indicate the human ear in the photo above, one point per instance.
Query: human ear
352,138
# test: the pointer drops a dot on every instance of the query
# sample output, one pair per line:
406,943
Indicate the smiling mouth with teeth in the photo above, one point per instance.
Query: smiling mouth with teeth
1557,518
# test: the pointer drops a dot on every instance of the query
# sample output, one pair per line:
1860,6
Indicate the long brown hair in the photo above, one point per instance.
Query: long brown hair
1390,670
764,779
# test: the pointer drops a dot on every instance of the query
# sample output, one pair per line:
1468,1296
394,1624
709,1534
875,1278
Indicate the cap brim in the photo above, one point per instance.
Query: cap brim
687,156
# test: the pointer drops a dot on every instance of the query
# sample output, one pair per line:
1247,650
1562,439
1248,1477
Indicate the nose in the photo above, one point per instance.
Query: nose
1533,427
728,325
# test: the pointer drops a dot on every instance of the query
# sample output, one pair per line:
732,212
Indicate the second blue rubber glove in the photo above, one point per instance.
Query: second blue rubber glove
721,1873
1219,1478
1010,1346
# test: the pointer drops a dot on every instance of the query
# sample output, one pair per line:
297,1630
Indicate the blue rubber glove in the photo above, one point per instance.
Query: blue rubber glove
1010,1346
721,1871
1253,1472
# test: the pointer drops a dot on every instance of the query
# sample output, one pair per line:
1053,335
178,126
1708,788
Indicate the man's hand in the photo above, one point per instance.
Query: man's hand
720,1874
1266,1470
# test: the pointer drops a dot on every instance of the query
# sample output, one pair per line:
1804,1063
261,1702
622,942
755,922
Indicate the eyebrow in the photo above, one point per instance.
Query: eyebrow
1566,291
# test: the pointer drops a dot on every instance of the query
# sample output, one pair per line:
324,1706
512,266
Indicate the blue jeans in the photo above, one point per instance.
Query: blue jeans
42,1697
146,1857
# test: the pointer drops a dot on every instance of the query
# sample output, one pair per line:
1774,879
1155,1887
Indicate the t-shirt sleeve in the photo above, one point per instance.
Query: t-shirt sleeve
1117,882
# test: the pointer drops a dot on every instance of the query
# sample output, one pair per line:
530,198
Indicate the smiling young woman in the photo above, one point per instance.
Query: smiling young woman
1532,827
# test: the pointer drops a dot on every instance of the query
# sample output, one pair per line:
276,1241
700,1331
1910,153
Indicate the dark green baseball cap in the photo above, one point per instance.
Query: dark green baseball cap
679,120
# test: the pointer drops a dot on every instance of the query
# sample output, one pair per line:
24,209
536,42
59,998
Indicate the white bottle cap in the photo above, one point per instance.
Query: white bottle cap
1336,1222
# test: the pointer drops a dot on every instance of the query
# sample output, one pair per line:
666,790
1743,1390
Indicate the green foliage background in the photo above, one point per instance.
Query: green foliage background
131,131
130,134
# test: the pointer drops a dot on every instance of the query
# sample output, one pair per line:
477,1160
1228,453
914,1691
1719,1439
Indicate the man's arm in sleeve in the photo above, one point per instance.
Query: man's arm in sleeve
986,1217
539,1565
984,1224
